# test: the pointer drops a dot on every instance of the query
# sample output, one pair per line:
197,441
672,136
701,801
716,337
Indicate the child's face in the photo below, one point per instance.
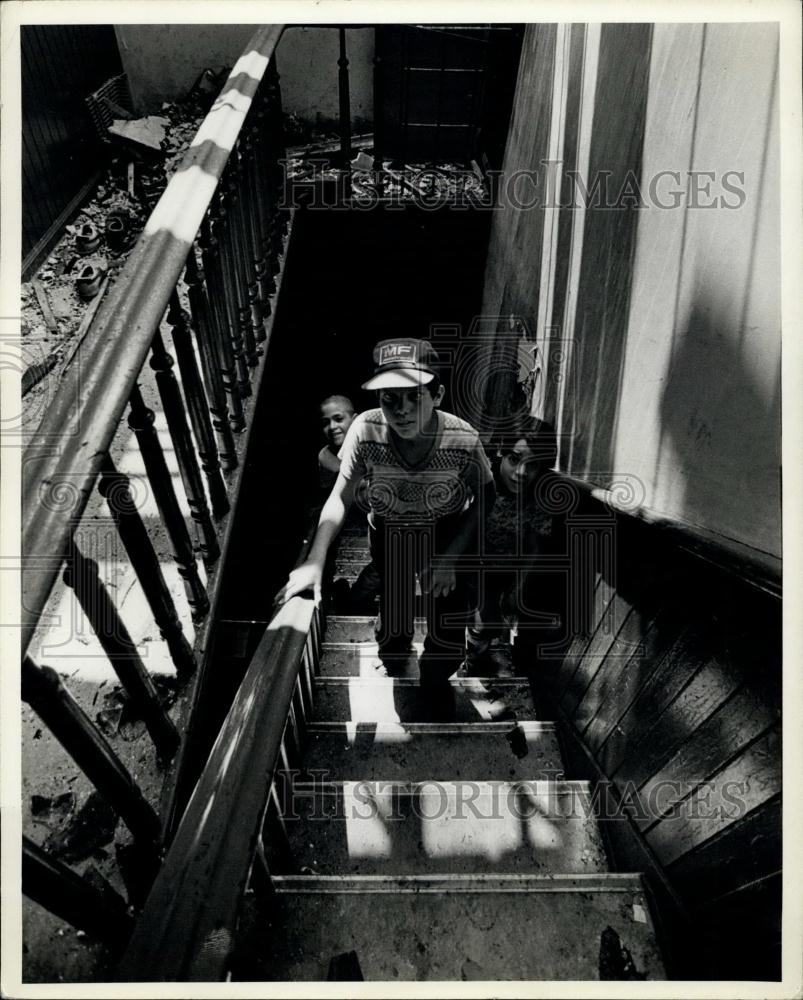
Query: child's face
518,467
336,420
409,411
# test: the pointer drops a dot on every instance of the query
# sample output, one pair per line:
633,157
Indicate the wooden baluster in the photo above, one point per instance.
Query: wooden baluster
49,882
141,421
268,195
305,676
116,490
237,311
228,292
203,324
379,96
219,313
249,256
258,293
195,397
81,574
241,257
259,879
43,690
276,152
315,645
176,417
299,708
274,829
345,104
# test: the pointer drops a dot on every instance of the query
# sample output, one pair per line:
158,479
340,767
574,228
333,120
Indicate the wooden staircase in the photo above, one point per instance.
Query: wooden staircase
407,848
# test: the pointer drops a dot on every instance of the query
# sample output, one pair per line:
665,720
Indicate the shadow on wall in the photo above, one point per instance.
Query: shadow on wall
603,306
723,428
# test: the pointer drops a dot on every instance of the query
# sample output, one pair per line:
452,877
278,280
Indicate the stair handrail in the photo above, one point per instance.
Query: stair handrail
186,930
64,457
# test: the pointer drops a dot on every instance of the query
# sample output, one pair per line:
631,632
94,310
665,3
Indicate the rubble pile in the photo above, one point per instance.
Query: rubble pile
56,301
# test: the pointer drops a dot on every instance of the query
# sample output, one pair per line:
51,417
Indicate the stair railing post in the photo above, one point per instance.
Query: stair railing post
203,327
258,288
345,103
218,267
141,421
275,154
57,888
82,576
197,406
176,417
267,195
115,488
236,307
43,690
220,314
241,258
379,96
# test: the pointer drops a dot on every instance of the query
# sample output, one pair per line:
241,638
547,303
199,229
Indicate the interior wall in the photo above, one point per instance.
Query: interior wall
510,294
672,673
673,332
699,407
164,60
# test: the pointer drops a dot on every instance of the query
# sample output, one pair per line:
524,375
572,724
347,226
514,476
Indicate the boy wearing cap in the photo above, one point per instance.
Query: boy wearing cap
427,483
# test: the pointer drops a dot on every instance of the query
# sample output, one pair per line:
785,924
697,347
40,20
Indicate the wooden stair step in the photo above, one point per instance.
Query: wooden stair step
360,628
440,751
459,827
403,699
458,927
361,659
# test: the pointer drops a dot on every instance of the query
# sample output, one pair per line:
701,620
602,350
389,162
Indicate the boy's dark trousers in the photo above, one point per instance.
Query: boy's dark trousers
538,604
399,552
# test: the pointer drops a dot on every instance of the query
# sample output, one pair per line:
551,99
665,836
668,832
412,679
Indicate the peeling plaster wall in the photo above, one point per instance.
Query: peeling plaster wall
163,61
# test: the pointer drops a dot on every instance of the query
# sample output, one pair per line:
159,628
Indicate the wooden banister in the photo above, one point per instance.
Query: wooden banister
187,928
63,460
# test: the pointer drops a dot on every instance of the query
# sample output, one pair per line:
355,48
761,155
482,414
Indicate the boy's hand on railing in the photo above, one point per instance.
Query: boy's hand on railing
307,576
438,580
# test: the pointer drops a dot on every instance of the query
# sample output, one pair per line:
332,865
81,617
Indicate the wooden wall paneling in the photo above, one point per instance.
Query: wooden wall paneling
712,684
743,785
744,851
602,597
739,721
683,659
61,152
595,653
627,851
656,639
626,649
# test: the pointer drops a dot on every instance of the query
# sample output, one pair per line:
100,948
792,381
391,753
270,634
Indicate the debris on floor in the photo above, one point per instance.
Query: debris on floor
142,135
61,298
88,832
417,182
52,811
615,960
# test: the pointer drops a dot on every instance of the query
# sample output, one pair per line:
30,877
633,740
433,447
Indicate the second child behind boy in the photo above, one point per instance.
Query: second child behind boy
517,533
428,483
337,415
